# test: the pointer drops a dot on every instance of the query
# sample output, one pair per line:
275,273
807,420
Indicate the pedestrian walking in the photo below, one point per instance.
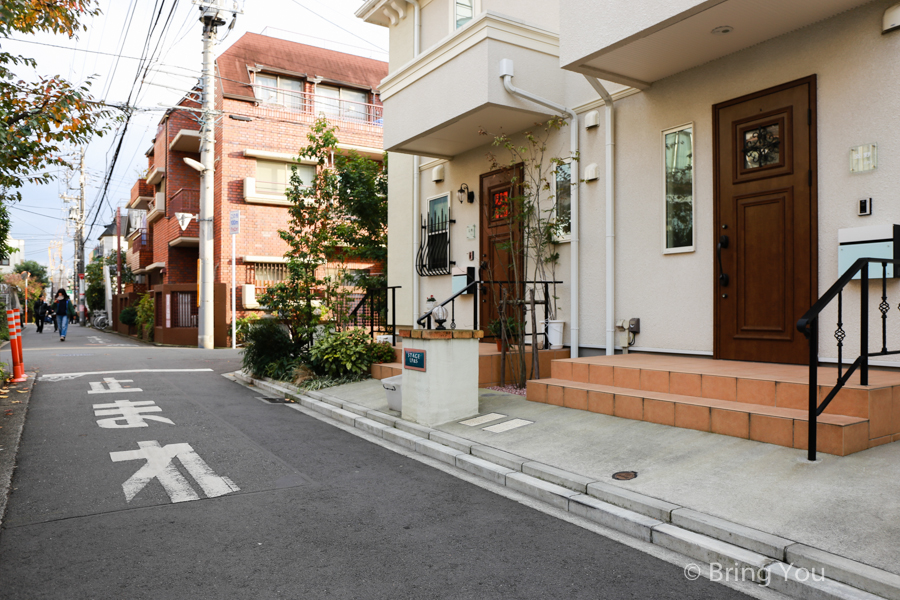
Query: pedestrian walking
61,306
40,312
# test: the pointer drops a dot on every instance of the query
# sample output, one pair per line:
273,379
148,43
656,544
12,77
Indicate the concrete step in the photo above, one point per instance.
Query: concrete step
837,434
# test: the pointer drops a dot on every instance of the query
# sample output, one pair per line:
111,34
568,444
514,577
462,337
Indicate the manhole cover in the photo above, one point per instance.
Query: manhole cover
625,475
273,400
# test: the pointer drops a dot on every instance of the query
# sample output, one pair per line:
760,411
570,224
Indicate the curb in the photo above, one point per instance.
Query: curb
783,565
12,417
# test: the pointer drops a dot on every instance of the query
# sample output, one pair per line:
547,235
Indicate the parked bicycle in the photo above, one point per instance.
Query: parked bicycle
99,319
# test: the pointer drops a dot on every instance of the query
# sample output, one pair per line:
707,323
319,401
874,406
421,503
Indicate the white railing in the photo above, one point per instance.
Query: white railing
314,105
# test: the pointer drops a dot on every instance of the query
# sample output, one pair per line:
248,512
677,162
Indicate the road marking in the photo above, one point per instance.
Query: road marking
160,466
511,424
482,419
129,412
113,386
67,376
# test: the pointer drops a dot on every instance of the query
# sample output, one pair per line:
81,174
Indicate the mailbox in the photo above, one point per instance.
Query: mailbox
462,278
876,241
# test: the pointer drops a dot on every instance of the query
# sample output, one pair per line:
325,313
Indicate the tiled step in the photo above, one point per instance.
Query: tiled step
837,434
385,370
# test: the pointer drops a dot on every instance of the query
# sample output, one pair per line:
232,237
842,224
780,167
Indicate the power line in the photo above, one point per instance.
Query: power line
72,49
36,213
338,26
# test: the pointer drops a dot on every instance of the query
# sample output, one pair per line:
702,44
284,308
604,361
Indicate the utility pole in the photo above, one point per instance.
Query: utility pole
212,13
78,216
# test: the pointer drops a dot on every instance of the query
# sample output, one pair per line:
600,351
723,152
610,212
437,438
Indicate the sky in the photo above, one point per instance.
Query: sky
122,30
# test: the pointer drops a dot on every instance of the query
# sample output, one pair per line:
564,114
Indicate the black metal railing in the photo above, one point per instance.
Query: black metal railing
433,256
371,312
809,326
477,287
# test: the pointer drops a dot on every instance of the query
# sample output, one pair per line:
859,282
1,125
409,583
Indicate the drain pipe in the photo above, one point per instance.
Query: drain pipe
506,73
416,232
610,214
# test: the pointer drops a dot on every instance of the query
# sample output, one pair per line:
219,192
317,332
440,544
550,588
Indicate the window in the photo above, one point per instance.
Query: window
272,89
562,185
4,262
434,250
342,103
679,181
463,12
273,177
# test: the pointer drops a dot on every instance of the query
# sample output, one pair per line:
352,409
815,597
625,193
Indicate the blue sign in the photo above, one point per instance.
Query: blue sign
414,359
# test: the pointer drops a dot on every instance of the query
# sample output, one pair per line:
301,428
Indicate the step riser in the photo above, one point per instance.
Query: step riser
792,433
882,406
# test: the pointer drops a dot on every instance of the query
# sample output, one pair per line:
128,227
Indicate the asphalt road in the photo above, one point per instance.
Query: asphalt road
236,498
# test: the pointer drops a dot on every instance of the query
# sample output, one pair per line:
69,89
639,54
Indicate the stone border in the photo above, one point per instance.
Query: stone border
784,563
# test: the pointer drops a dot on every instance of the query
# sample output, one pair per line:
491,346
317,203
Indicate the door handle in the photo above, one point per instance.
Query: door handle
723,244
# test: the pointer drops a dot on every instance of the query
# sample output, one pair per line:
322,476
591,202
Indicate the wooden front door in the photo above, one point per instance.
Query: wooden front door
501,233
765,222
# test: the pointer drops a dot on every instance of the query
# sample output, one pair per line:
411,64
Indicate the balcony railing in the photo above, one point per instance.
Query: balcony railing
186,201
313,105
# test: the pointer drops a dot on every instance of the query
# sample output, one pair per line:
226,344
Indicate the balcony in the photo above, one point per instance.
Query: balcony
186,140
157,208
186,204
306,108
140,250
637,43
436,104
141,195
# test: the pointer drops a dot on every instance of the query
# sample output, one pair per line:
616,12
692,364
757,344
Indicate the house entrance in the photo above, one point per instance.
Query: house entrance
765,222
501,234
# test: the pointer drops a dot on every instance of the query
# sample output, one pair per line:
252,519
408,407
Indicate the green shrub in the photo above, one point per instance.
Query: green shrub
382,352
128,316
342,353
145,319
267,343
243,326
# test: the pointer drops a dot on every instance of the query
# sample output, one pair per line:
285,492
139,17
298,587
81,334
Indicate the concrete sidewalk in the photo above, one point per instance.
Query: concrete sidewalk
847,506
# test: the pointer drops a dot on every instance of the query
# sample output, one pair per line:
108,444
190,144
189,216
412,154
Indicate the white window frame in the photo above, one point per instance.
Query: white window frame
476,6
287,166
693,246
561,239
428,201
281,94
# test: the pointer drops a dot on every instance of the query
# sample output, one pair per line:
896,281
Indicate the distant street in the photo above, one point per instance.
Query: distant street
167,480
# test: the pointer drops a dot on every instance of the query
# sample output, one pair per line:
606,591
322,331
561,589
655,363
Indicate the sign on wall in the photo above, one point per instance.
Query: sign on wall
414,359
234,221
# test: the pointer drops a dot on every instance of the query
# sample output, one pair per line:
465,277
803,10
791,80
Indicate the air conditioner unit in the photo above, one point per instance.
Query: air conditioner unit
249,187
248,297
160,202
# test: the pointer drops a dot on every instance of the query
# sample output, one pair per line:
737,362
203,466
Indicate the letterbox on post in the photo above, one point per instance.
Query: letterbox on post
875,241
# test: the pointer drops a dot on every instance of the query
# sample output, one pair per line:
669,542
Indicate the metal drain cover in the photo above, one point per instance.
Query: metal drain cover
625,475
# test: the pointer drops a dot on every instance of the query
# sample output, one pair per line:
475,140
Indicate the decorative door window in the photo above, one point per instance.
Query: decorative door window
679,191
762,146
500,205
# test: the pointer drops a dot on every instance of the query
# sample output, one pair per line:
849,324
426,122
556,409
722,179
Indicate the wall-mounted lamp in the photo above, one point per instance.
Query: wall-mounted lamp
464,193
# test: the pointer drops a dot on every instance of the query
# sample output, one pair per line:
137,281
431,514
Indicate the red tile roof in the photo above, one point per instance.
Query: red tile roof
253,49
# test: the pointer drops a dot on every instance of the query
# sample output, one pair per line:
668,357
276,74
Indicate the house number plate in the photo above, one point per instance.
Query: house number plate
414,359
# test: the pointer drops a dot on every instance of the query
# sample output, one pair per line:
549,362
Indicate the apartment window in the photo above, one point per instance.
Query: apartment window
679,194
274,89
464,10
562,187
342,103
4,262
273,177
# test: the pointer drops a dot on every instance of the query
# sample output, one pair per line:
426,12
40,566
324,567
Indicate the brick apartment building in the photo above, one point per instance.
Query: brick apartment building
270,92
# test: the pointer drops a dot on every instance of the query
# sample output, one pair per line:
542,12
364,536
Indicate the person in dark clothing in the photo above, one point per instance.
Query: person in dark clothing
61,308
40,313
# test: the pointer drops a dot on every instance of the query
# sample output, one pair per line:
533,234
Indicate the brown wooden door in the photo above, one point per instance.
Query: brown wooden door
765,222
501,233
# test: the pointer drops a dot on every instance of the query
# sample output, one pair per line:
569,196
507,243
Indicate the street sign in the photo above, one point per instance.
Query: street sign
414,359
235,222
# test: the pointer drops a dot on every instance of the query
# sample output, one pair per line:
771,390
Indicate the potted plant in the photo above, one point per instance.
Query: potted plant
510,325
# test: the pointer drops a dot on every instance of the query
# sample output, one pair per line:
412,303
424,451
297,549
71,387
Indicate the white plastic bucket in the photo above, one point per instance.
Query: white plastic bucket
555,333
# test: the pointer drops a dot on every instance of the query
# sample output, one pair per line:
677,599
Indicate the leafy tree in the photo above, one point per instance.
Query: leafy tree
37,270
17,280
40,118
93,275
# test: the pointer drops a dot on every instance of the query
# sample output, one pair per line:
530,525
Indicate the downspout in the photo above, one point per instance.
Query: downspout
417,19
506,73
610,214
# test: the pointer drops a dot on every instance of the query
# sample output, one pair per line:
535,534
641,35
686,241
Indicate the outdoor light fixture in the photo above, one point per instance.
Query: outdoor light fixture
440,316
194,164
464,193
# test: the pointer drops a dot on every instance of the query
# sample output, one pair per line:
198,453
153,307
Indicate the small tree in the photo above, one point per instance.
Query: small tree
535,224
93,275
37,271
17,280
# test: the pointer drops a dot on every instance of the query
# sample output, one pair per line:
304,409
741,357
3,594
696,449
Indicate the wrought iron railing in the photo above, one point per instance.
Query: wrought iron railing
371,312
809,326
478,287
433,257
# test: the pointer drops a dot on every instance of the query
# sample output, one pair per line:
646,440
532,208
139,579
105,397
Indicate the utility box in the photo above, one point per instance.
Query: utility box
875,241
